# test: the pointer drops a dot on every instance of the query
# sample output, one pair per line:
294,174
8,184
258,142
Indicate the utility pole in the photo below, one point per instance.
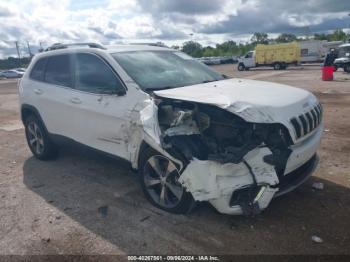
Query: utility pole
19,56
29,51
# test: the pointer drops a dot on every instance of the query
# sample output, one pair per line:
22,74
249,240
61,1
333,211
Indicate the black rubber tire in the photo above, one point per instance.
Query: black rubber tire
241,67
186,202
277,66
49,148
347,68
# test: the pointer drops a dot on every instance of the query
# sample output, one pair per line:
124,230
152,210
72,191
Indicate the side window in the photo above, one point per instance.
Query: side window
38,70
94,76
58,70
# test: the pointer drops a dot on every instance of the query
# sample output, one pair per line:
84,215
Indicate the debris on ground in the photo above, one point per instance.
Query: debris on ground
326,130
318,185
316,239
144,219
46,239
103,210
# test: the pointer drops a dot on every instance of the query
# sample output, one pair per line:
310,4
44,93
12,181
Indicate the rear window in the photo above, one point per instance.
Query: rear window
58,70
38,70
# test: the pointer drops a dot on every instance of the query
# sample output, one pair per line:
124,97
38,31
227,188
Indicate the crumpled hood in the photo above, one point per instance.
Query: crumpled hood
255,101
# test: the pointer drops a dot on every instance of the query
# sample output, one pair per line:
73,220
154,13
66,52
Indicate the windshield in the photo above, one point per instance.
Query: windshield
344,51
156,70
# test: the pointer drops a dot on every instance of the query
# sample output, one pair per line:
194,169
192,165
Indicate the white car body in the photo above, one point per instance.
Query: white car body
119,125
11,74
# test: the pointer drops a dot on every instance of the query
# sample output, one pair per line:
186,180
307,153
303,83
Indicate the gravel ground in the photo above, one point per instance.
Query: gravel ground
84,203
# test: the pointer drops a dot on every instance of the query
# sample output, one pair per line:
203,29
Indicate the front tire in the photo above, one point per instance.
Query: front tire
38,139
159,182
241,67
277,66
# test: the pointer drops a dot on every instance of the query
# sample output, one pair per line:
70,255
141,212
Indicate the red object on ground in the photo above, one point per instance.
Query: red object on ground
327,73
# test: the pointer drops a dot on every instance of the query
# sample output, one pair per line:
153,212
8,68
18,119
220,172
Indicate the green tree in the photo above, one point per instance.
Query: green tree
286,38
260,38
192,48
338,35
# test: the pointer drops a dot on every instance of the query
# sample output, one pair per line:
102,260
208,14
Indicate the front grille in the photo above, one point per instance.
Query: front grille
306,123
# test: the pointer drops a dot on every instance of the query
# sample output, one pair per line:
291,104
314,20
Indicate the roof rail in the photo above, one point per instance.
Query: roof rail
63,46
160,44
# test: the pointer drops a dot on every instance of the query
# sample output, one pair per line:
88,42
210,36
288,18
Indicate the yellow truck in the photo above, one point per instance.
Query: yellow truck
279,56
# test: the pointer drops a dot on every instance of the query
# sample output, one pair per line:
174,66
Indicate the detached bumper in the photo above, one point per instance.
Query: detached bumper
261,196
231,189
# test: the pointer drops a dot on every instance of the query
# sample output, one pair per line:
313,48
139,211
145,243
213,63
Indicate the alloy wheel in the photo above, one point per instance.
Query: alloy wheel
161,181
35,138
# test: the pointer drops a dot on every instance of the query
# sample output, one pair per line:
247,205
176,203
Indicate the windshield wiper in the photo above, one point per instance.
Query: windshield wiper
161,88
208,81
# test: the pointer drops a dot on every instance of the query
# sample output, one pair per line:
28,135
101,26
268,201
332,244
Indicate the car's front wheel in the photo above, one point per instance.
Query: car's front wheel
159,180
38,140
241,67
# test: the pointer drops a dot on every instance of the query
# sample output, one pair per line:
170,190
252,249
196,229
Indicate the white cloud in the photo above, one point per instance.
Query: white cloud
111,21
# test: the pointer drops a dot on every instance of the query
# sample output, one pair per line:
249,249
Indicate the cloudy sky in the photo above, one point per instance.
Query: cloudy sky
169,21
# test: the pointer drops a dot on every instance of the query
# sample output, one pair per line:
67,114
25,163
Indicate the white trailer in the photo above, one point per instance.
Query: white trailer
316,50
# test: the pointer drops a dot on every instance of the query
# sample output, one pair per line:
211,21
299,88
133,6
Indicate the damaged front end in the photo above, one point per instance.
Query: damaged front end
233,164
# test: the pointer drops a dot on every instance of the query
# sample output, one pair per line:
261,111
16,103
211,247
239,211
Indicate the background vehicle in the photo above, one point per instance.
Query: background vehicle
279,56
315,50
11,74
343,60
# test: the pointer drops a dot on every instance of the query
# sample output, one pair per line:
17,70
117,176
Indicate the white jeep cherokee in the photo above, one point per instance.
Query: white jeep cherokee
192,134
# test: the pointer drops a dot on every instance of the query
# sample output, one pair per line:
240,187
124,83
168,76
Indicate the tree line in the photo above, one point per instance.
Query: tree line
228,48
232,48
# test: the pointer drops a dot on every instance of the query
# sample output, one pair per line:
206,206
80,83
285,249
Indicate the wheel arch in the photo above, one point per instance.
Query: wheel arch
27,110
135,162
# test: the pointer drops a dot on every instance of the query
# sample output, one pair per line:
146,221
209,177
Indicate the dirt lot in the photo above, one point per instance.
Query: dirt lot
84,203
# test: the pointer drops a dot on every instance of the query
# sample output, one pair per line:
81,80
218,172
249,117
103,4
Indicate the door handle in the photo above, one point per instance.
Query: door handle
38,91
75,100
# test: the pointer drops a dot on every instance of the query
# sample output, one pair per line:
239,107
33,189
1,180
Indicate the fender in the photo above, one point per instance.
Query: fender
26,110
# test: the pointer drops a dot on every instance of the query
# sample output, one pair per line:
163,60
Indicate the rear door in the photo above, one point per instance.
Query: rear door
51,91
101,105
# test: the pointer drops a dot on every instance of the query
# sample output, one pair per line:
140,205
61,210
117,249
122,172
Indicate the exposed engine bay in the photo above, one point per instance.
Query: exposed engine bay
205,132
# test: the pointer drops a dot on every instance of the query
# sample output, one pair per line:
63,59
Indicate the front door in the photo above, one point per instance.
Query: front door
101,105
249,59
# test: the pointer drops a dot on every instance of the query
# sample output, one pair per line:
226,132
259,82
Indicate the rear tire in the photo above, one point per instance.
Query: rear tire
158,178
347,68
38,139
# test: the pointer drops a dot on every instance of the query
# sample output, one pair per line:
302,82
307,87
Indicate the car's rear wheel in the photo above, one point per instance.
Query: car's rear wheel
159,180
38,140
